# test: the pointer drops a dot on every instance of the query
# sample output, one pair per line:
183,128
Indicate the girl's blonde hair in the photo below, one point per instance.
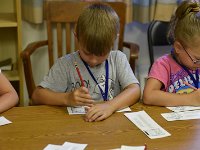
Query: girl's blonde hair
185,24
97,28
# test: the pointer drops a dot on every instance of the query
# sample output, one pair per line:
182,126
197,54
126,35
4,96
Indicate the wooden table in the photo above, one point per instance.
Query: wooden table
34,127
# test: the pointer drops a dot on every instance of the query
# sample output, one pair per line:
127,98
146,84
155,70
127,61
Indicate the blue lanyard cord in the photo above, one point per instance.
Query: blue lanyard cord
104,94
195,81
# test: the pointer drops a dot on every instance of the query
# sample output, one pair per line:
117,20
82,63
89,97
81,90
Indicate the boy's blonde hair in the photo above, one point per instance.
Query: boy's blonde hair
97,28
185,25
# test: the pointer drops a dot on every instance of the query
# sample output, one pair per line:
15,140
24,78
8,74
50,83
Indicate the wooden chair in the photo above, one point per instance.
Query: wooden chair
64,14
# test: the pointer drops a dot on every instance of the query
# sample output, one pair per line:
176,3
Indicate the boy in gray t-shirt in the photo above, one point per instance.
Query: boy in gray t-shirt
94,72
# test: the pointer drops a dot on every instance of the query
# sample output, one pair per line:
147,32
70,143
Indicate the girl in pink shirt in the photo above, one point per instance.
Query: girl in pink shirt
174,78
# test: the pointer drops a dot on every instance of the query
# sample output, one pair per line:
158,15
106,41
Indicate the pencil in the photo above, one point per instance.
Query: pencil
186,83
79,74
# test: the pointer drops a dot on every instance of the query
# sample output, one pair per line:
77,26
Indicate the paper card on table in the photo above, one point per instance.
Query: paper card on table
76,110
4,121
183,108
73,146
52,147
186,115
81,110
145,123
124,109
123,147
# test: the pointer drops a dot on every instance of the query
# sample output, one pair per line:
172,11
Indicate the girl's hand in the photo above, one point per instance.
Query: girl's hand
80,97
99,112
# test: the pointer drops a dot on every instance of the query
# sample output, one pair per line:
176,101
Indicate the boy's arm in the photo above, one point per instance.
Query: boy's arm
8,95
129,96
79,97
154,96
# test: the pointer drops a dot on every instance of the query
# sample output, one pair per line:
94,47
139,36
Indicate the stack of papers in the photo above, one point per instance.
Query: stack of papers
4,121
66,146
145,123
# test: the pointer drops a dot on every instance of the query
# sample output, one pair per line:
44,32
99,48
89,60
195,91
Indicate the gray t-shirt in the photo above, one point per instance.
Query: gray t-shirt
63,77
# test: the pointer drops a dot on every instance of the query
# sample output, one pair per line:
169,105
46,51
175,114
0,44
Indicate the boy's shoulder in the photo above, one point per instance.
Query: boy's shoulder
116,53
69,57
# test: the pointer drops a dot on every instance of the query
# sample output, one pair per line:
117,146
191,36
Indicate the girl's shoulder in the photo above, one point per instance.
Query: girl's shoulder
166,59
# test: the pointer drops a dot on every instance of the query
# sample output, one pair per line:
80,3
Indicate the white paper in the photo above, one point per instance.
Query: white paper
186,115
81,110
66,146
4,121
124,109
73,146
52,147
145,123
183,108
76,110
123,147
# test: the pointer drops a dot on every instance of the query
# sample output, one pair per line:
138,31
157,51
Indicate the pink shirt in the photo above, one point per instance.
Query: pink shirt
171,74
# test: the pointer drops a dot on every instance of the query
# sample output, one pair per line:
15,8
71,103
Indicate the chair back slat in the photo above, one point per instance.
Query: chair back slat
50,43
59,39
68,38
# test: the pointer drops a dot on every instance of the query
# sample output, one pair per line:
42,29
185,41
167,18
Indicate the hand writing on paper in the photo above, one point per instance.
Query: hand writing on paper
80,97
98,112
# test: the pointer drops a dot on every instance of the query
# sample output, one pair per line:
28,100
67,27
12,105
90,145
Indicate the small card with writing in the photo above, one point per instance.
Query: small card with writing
186,115
81,110
145,123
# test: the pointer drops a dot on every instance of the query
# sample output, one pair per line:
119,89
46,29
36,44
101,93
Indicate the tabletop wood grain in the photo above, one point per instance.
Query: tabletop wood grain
34,127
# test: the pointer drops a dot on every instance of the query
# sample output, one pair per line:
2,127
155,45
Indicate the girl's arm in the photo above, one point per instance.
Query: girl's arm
154,96
8,95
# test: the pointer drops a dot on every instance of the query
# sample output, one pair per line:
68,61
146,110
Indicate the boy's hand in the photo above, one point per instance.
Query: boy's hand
99,112
80,97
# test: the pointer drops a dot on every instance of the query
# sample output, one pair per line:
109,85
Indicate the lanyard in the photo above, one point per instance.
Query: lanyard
195,81
105,93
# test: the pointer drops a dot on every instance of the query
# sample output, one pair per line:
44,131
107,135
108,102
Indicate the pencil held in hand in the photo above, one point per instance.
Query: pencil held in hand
186,83
79,74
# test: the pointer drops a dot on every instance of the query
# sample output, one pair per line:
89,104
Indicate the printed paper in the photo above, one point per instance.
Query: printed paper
81,110
183,108
145,123
186,115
